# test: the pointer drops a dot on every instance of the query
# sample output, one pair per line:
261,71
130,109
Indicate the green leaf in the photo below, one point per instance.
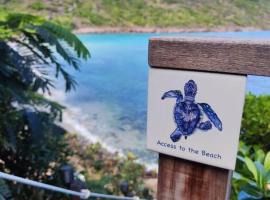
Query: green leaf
267,176
259,155
252,168
267,161
267,193
252,190
243,149
240,158
261,175
249,192
239,177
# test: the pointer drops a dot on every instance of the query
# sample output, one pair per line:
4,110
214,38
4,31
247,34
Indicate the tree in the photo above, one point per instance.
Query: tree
32,50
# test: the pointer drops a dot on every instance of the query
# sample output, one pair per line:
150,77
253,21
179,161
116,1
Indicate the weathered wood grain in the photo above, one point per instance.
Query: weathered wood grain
214,55
180,179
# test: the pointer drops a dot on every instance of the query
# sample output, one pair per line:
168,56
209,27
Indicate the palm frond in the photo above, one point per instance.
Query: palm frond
17,21
70,81
32,49
55,109
50,38
68,37
40,37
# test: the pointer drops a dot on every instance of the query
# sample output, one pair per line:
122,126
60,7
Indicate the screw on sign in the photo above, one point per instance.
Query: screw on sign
196,130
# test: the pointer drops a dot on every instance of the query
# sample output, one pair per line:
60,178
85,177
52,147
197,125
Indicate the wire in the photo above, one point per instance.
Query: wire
84,194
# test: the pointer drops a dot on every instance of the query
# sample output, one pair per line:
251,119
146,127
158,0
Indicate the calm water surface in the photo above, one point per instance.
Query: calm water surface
109,104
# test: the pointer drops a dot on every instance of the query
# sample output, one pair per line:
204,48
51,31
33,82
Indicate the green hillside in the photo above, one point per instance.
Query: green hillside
149,13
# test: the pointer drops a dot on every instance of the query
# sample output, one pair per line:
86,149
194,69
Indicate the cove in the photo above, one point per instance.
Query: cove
109,104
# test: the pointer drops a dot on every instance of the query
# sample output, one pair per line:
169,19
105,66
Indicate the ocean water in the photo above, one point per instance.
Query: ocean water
109,104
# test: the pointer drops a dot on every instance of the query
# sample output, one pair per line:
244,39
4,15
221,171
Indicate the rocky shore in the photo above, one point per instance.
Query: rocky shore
94,29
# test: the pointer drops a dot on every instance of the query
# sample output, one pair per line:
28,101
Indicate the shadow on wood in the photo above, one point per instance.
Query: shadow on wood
179,179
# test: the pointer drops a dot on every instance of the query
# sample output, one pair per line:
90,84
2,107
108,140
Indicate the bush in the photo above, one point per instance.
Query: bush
255,128
106,171
37,157
252,174
38,5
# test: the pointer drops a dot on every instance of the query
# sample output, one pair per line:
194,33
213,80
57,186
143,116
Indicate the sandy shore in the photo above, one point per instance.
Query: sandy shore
86,30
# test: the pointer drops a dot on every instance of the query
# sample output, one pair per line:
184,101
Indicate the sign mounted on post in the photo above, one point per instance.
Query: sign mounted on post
195,115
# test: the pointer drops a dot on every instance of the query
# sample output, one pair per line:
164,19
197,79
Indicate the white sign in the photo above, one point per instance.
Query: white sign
195,115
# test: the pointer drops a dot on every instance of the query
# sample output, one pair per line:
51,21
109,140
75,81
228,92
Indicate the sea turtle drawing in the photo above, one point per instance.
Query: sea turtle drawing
188,114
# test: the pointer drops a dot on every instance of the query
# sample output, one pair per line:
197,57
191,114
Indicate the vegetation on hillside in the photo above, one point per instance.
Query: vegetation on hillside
105,171
149,13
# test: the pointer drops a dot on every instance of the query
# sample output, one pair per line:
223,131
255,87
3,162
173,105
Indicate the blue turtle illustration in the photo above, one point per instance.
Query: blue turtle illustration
188,114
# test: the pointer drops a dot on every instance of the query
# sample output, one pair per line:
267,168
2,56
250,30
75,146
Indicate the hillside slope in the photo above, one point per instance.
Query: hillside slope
149,13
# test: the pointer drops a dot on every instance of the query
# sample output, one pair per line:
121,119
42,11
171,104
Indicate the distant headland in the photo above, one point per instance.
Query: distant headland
151,16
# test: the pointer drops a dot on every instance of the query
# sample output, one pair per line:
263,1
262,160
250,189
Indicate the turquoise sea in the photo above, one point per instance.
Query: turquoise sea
109,104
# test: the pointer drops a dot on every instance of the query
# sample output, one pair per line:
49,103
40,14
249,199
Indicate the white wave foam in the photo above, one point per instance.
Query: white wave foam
74,125
79,120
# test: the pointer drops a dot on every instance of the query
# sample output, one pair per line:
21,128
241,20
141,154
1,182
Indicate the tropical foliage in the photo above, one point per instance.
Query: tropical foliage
251,180
252,176
33,51
255,122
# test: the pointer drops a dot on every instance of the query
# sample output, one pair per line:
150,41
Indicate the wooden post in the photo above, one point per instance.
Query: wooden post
183,179
180,179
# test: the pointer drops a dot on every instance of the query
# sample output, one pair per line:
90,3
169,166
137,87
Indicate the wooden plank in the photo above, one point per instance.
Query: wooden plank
186,180
214,55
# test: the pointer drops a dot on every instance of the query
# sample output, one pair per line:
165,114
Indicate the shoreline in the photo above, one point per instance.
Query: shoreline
76,126
89,138
89,30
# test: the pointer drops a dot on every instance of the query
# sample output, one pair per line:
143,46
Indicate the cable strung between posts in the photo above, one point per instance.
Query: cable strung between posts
84,194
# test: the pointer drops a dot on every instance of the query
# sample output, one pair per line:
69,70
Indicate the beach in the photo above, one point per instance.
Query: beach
137,29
